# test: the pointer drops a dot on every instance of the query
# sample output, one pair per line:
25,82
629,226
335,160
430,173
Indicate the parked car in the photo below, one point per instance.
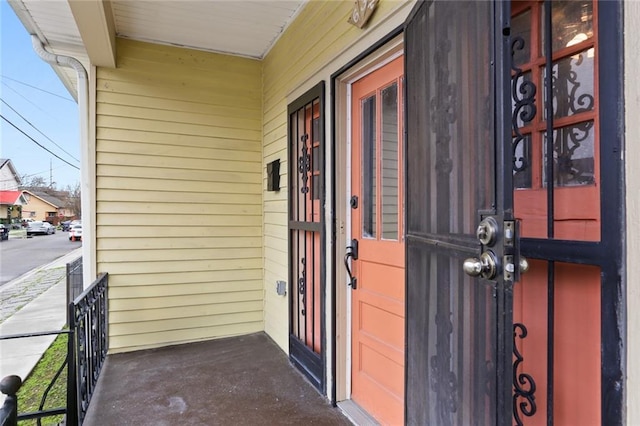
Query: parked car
39,227
4,232
66,225
75,233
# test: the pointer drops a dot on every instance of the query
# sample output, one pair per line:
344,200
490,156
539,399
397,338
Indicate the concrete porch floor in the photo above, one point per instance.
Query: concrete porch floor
245,380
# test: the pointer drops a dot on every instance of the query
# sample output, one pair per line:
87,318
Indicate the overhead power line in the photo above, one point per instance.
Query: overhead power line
38,130
37,88
38,143
27,99
31,174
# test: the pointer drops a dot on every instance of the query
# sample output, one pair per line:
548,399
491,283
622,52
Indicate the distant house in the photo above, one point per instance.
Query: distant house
11,204
9,178
42,206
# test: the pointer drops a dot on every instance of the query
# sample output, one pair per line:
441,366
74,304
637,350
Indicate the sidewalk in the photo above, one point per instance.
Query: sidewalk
33,302
18,233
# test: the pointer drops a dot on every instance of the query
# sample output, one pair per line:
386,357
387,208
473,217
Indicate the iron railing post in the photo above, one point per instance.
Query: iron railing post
72,392
69,296
9,410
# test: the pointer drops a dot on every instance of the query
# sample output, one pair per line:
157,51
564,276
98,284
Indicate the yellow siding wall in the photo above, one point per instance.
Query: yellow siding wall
179,195
317,36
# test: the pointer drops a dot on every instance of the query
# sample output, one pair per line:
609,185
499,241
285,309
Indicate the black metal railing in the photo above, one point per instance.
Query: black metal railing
11,384
87,346
74,280
88,325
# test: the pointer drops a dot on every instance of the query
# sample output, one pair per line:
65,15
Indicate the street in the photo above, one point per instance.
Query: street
18,256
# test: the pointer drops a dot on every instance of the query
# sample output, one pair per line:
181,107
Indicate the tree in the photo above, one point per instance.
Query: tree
73,199
34,183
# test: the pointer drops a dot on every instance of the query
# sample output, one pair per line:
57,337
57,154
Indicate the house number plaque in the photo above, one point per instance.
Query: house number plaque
362,11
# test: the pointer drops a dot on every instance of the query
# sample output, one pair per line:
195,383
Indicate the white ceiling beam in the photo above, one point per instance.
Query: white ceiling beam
96,24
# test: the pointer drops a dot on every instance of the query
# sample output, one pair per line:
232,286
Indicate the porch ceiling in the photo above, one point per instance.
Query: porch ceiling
85,28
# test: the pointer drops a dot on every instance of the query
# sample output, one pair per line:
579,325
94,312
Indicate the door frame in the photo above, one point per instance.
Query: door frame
379,54
612,163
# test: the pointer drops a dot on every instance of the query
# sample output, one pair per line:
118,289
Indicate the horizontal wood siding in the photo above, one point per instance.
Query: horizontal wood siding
36,209
179,195
317,36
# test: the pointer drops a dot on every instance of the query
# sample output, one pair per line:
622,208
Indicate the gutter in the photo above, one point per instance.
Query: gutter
88,264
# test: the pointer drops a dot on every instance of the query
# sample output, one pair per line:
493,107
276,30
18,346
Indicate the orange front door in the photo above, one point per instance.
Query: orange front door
377,320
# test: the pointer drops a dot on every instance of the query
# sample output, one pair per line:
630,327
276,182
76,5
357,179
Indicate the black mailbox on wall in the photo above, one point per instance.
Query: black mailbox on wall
273,175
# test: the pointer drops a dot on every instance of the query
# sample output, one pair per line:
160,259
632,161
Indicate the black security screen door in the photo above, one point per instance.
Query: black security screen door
306,235
566,92
461,239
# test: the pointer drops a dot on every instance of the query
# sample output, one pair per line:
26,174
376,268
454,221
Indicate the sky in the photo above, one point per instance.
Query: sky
34,99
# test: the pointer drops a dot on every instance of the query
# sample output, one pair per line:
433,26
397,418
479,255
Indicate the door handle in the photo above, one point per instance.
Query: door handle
485,266
500,236
352,252
353,249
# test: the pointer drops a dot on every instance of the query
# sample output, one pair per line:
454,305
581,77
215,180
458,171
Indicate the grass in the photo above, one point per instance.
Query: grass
33,388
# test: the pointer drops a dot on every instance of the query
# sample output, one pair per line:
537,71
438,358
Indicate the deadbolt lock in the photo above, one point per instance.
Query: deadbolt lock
485,267
487,231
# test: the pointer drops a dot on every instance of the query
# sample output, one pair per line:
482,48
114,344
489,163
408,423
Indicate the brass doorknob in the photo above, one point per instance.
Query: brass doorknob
472,267
485,267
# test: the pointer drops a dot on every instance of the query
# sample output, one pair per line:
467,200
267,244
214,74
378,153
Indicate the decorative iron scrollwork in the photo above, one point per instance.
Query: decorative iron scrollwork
566,86
304,164
567,140
444,110
302,286
523,93
444,107
443,380
489,377
524,387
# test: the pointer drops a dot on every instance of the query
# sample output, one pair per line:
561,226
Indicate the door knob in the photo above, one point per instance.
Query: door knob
524,264
472,267
485,267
